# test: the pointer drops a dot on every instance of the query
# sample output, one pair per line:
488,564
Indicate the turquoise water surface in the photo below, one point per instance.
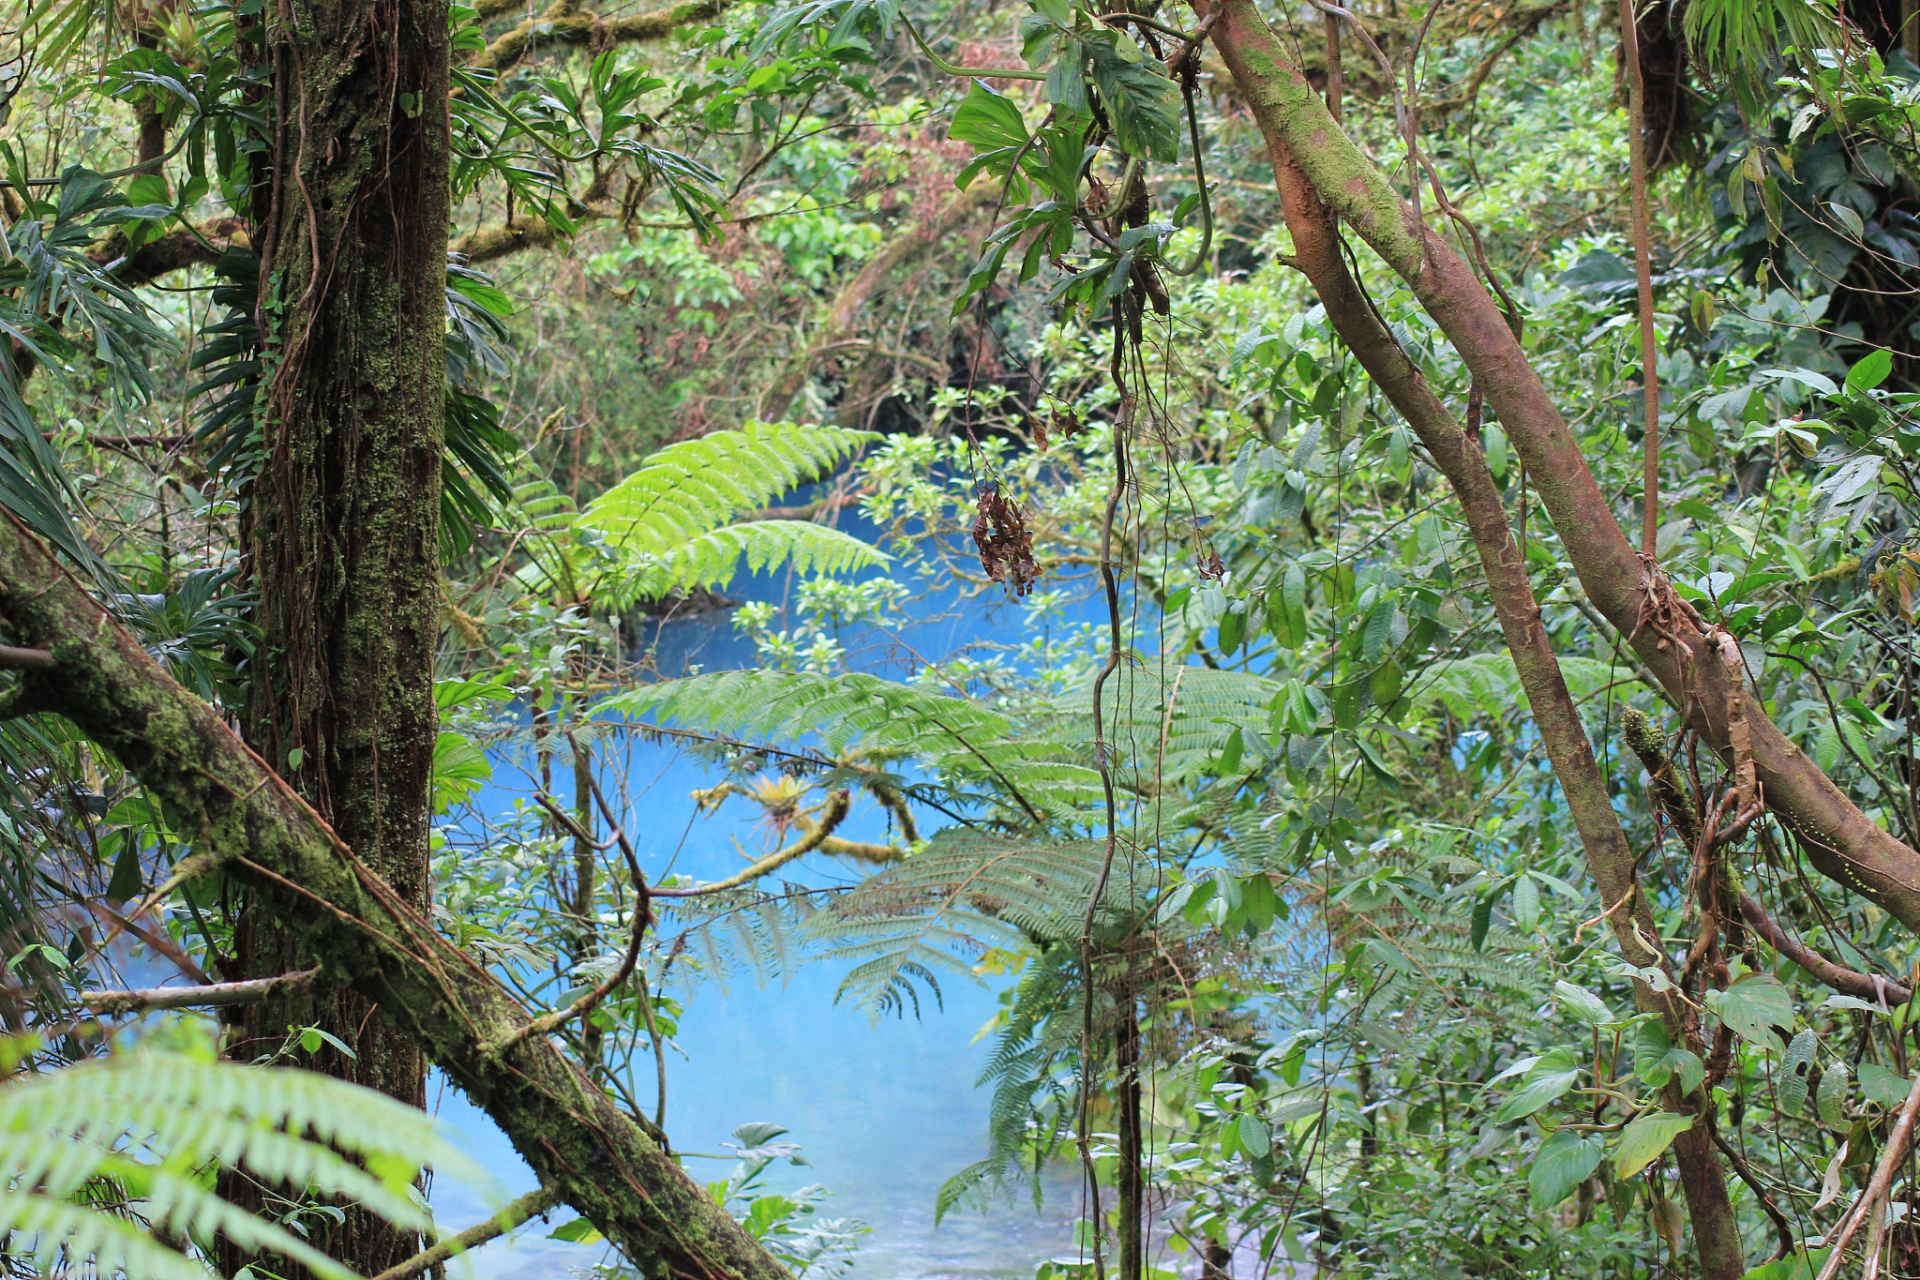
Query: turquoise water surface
884,1112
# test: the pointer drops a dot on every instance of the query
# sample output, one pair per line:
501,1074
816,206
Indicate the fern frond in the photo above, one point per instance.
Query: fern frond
1485,686
966,891
836,710
696,486
712,559
1195,708
151,1121
965,742
741,932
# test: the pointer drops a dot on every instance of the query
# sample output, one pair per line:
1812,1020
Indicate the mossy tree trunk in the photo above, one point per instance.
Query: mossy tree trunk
342,520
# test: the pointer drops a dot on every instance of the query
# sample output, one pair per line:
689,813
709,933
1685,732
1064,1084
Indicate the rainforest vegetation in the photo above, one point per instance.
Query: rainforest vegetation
1439,795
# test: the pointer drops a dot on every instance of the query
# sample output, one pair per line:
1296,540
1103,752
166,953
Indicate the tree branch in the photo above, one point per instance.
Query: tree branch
210,996
1251,53
1861,986
531,1205
838,803
15,659
1678,646
559,25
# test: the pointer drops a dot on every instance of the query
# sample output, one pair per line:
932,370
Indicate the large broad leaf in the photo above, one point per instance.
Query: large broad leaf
1885,1087
1797,1266
1545,1081
1656,1061
1831,1097
1642,1142
1583,1004
1753,1006
1140,102
988,120
1566,1160
459,770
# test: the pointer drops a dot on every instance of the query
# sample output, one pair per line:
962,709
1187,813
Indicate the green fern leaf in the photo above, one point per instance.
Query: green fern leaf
697,486
150,1121
712,559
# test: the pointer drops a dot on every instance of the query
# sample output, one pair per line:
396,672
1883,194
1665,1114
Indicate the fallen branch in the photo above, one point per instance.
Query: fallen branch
211,996
243,818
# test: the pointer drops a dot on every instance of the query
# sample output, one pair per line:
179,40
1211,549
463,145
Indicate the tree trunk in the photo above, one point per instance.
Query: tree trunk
1248,47
343,518
1675,643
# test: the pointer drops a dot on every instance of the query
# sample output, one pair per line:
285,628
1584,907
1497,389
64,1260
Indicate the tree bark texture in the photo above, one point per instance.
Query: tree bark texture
343,516
243,819
1318,254
1683,651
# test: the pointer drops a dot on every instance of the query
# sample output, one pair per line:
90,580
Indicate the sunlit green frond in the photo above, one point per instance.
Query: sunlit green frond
712,559
697,486
150,1122
968,890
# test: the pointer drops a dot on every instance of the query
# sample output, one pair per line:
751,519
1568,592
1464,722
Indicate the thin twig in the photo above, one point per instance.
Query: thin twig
528,1206
209,996
1643,270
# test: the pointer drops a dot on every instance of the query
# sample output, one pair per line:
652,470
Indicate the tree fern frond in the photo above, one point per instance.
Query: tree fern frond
740,932
152,1120
1485,686
972,1185
837,711
967,890
696,486
1195,708
712,559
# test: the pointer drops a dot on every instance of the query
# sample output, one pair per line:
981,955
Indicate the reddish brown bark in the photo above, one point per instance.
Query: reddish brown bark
1676,644
1610,858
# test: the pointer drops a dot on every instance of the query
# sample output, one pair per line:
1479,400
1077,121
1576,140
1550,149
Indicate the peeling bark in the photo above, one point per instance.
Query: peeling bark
246,821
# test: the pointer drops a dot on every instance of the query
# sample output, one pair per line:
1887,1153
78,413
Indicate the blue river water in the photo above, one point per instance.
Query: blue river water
884,1112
